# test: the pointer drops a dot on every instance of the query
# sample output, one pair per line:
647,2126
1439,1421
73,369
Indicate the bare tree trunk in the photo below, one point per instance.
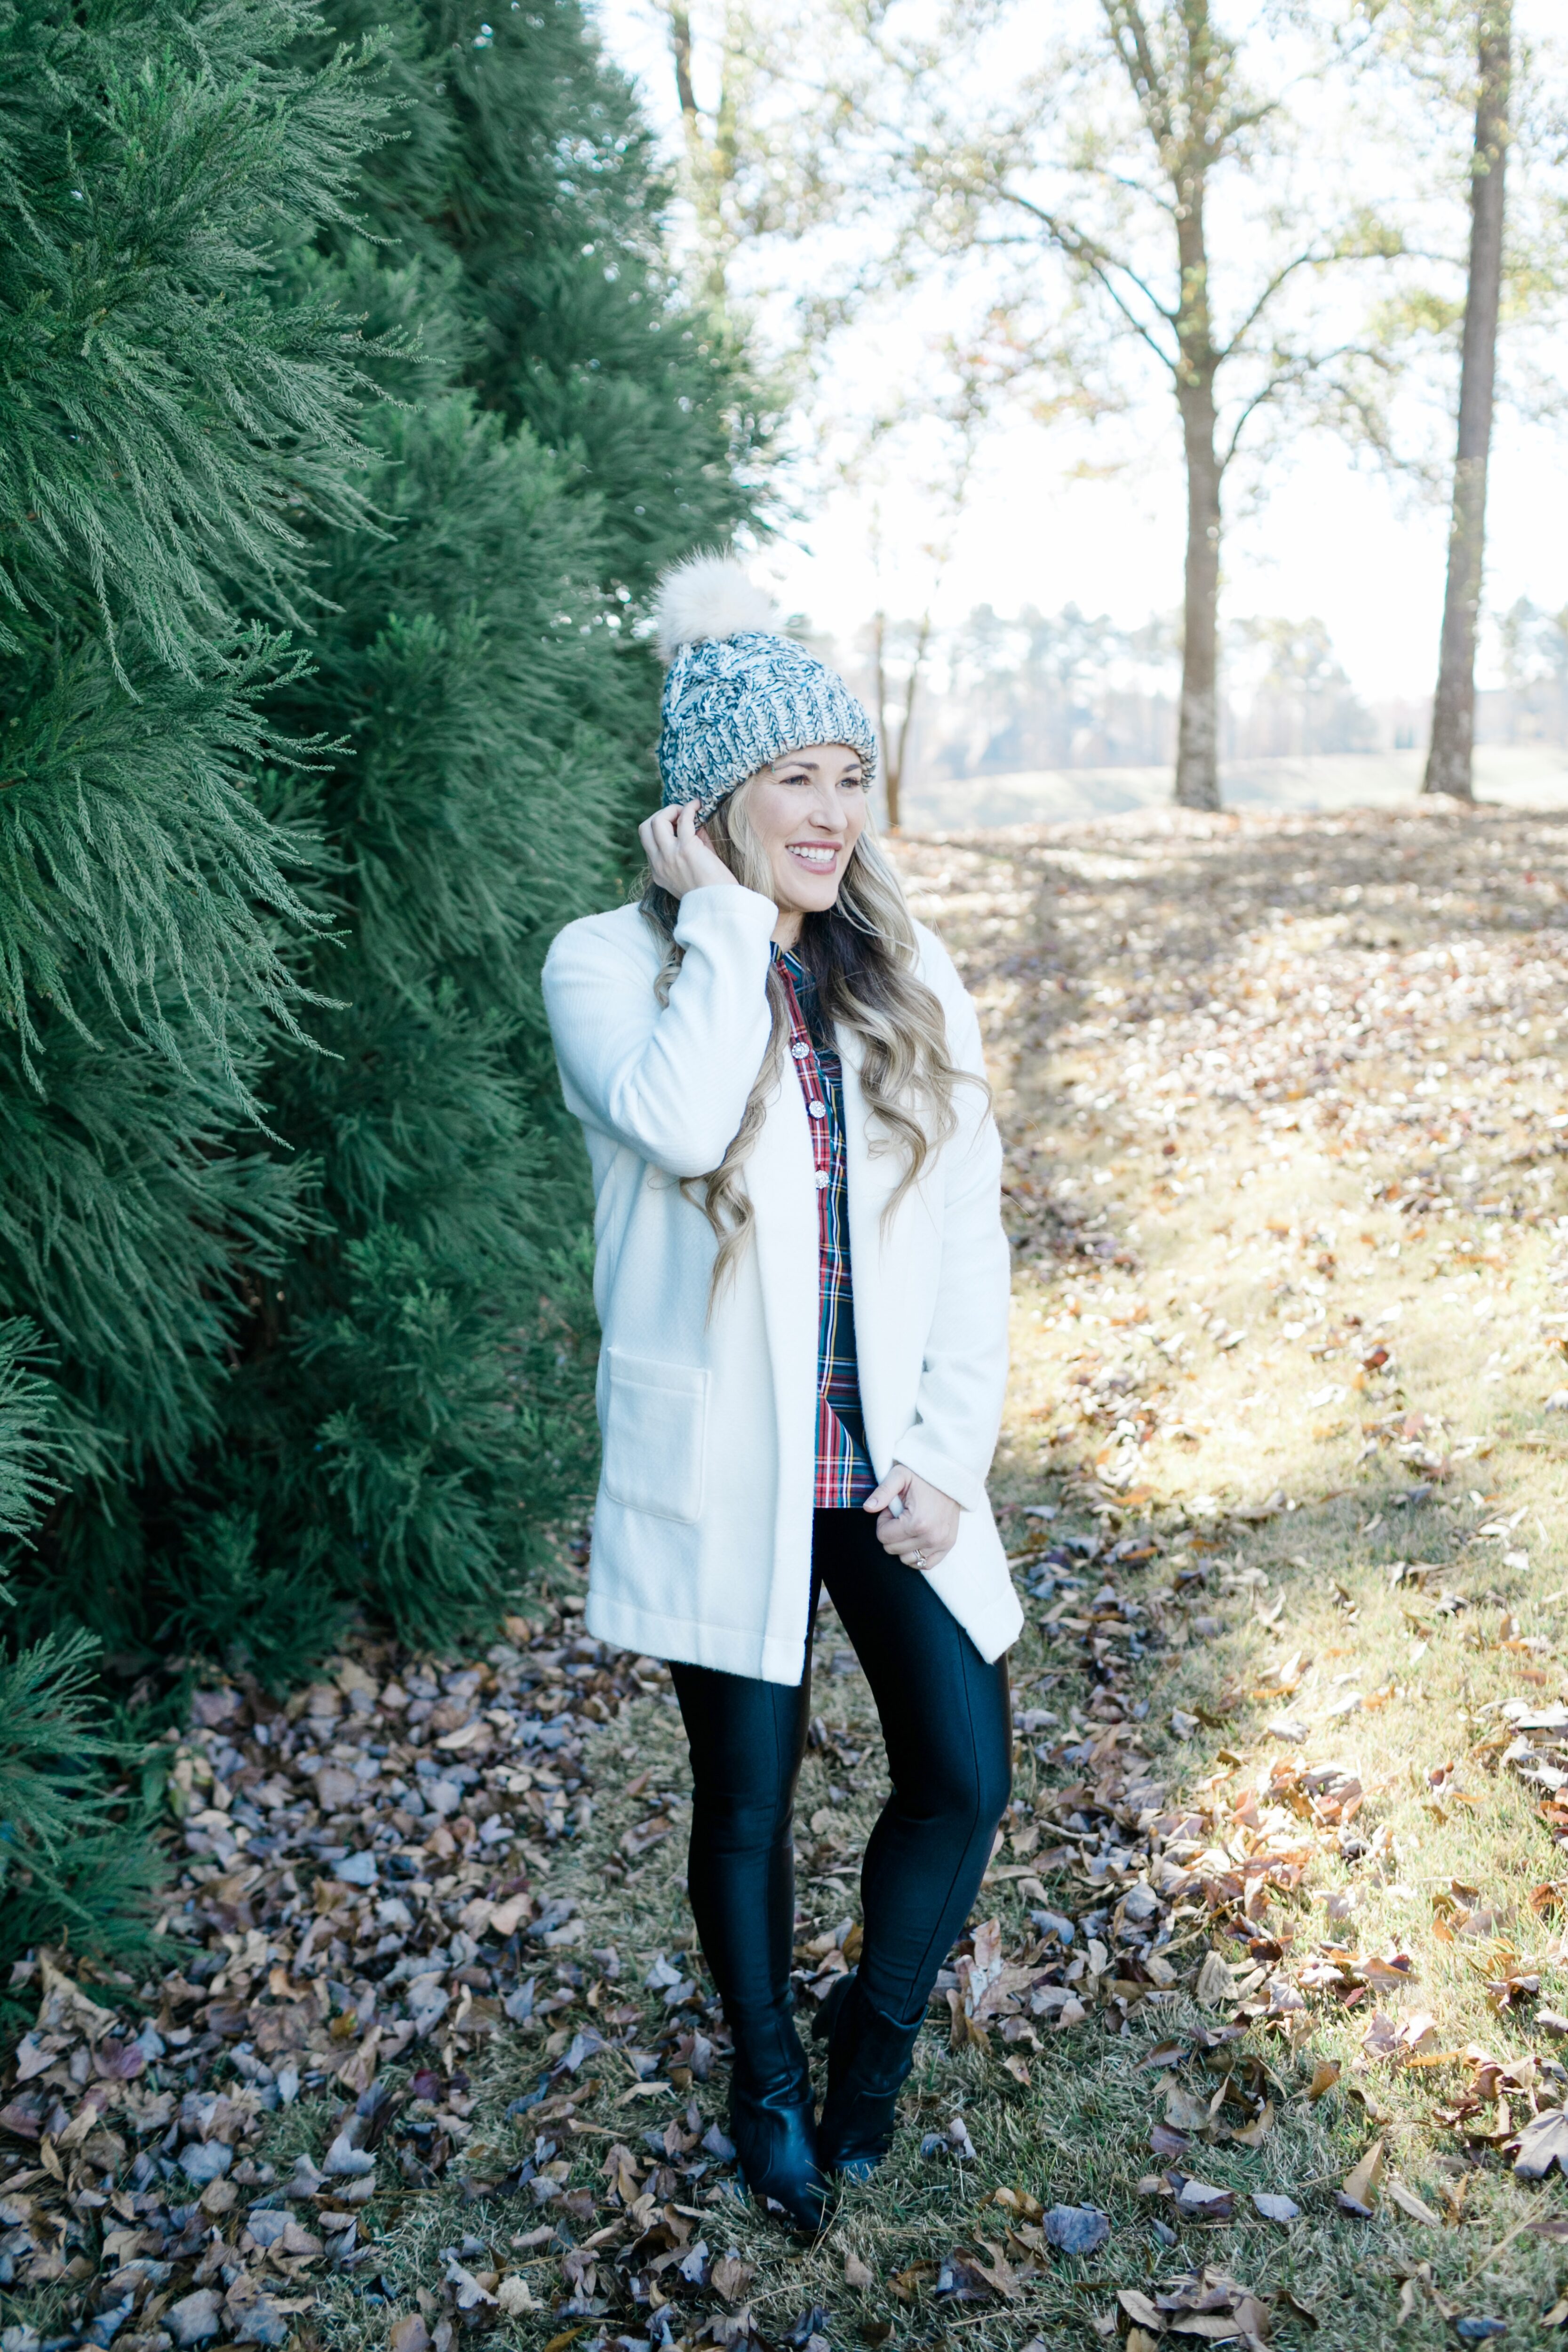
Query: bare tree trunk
709,162
917,670
1197,362
891,779
1449,763
680,47
1197,739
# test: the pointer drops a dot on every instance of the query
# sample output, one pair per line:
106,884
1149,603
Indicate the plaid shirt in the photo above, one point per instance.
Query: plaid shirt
844,1472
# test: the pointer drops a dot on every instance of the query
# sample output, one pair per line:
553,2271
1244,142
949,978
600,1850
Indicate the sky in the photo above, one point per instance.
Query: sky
1330,540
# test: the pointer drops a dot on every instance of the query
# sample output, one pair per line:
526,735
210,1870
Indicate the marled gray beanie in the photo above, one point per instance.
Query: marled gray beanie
739,695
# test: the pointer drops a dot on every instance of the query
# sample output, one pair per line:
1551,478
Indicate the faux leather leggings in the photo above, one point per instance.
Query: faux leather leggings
947,1726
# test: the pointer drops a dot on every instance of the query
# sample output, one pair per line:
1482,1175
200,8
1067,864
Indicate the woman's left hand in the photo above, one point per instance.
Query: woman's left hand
926,1529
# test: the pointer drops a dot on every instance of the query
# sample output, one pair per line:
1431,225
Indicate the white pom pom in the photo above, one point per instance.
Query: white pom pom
710,596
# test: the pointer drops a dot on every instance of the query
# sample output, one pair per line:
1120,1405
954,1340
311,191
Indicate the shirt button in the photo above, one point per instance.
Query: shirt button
817,1110
822,1179
800,1052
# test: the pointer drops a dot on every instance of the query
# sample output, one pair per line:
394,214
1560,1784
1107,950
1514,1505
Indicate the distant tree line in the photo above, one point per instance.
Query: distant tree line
1004,695
1212,228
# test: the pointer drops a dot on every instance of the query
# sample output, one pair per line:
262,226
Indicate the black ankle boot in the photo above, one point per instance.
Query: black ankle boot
773,2121
868,2057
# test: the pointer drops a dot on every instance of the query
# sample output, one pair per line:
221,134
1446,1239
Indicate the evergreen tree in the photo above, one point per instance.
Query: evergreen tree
72,1864
555,211
416,1405
173,416
168,416
397,1273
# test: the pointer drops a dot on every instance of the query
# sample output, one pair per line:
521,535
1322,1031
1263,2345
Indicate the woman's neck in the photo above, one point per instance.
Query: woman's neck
786,930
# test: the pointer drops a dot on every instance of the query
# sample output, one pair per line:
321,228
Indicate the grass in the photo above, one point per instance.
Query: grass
1285,1190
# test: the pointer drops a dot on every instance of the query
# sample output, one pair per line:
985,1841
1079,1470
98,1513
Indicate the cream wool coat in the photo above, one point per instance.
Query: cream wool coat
702,1528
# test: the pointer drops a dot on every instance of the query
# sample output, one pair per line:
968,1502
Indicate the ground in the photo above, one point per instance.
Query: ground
1276,1914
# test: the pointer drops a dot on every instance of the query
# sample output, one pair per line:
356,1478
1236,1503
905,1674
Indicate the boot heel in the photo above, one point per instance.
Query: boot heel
776,2158
868,2059
774,2126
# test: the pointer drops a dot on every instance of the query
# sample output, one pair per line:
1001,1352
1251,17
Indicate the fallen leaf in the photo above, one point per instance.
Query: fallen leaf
1185,2110
1019,2202
906,2284
963,2033
1325,2074
998,2273
1413,2208
195,2317
1275,2208
1076,2229
1543,2143
856,2274
1216,1986
466,2287
1358,2193
1410,2293
1257,2131
1202,2200
1139,2309
731,2278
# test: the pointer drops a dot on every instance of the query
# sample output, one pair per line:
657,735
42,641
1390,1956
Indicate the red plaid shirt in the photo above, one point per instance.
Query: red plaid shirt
844,1472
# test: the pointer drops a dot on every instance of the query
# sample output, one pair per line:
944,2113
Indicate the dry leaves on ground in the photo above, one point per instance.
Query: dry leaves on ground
363,1879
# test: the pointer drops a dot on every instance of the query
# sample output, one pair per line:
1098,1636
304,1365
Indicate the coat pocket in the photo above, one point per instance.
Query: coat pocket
654,1428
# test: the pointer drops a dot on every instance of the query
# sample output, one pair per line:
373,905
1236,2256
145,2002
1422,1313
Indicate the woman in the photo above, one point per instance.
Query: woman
802,1281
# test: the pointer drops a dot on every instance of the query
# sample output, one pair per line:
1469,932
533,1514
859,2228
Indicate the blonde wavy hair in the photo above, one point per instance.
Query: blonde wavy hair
865,958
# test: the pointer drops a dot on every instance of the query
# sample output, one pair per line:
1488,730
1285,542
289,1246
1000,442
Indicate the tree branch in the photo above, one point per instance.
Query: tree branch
1125,19
1299,371
1101,266
1301,261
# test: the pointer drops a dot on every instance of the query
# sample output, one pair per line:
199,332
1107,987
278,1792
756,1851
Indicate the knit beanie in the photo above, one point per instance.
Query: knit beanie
740,695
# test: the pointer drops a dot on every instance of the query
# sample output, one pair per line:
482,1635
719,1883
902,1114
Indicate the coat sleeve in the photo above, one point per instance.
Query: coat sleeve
965,1376
671,1081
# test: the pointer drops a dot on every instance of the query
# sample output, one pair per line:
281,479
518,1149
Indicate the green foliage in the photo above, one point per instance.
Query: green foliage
580,337
392,360
172,412
68,1869
99,1895
413,1409
525,158
227,1595
26,1448
165,421
72,1866
142,882
175,416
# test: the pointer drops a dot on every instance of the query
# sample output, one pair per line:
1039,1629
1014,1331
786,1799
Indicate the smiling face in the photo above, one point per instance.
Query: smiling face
806,812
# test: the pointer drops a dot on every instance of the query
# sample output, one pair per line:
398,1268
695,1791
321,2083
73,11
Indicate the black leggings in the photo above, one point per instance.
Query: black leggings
947,1726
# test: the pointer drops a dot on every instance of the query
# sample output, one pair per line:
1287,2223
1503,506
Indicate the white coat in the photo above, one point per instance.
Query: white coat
702,1528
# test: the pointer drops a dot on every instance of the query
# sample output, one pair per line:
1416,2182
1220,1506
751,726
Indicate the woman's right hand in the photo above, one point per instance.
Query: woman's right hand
678,858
